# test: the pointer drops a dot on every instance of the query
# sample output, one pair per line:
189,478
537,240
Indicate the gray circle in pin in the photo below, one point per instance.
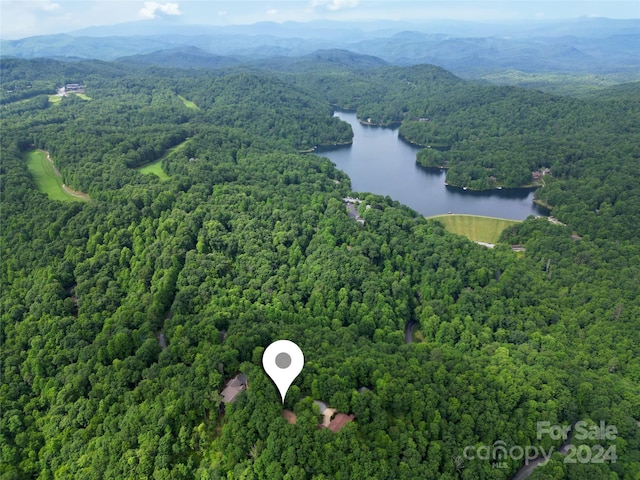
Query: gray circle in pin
283,360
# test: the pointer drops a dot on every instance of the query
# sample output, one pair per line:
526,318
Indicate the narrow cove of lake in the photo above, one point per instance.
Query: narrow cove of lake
380,162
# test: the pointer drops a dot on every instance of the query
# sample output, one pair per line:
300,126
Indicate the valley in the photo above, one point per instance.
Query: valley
209,235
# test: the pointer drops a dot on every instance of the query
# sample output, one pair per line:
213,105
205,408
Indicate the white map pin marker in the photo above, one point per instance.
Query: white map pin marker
283,361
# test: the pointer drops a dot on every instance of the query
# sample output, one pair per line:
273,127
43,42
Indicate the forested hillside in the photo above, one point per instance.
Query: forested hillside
489,137
122,317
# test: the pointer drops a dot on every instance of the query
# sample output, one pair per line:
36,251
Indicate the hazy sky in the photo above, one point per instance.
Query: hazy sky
23,18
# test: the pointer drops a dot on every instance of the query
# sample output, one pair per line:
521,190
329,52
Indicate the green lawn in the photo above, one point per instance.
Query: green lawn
188,103
57,98
46,178
154,168
475,227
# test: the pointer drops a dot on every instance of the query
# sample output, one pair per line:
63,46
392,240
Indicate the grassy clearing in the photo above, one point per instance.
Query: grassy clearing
48,179
188,103
154,168
475,227
55,99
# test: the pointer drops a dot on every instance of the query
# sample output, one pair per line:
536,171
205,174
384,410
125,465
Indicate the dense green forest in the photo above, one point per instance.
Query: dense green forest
249,241
489,136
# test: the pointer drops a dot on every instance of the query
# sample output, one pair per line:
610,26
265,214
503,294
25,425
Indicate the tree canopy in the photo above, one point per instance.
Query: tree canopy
249,241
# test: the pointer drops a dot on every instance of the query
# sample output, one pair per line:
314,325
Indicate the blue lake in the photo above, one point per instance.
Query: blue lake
380,162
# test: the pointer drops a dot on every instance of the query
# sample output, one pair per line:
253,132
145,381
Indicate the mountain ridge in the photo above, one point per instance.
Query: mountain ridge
181,57
609,49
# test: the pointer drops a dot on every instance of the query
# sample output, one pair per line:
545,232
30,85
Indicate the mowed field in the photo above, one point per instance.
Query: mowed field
47,178
475,227
188,103
154,168
56,99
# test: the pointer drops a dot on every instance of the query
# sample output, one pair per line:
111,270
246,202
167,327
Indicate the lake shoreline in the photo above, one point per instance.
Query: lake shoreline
529,186
326,147
379,161
498,188
435,217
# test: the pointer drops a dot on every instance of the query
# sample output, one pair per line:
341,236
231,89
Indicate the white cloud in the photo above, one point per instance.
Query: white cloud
151,9
335,5
19,19
50,7
272,11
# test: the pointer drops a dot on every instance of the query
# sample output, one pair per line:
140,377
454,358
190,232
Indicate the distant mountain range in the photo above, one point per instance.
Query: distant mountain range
181,57
358,30
593,45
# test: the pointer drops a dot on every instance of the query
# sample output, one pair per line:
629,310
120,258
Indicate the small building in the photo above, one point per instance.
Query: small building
331,418
234,387
351,208
339,421
289,416
326,413
542,172
74,88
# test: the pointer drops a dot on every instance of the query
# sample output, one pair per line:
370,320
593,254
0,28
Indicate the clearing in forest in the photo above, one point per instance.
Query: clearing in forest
188,103
155,167
57,98
475,227
48,179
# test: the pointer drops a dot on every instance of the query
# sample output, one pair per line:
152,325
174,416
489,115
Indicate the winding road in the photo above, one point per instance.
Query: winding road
527,470
66,188
408,331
